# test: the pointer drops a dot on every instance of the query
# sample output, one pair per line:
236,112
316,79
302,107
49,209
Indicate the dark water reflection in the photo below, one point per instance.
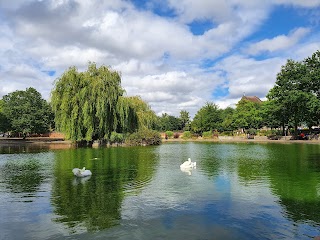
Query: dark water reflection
95,203
238,191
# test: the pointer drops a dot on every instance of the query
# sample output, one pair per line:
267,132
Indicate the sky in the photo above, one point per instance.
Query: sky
176,54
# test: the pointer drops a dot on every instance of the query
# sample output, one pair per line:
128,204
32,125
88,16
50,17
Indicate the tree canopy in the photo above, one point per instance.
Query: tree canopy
208,118
91,105
86,104
27,112
296,92
247,115
4,121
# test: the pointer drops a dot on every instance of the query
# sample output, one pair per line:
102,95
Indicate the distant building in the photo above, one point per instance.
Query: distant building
254,99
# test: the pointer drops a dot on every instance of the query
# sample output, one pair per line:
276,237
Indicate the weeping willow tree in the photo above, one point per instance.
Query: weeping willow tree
89,105
137,114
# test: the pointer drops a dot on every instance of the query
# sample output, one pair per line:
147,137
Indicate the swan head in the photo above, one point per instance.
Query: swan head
189,159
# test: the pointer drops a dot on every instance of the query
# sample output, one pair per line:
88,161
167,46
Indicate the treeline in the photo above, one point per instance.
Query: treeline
92,105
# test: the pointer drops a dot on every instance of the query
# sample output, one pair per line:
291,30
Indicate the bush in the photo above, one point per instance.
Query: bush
169,134
186,134
144,137
116,138
207,134
264,132
176,135
227,133
251,131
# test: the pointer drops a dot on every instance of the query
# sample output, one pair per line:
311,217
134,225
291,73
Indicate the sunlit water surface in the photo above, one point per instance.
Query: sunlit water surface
237,191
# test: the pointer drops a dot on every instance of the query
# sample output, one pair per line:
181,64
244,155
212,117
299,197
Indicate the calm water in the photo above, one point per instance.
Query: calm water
238,191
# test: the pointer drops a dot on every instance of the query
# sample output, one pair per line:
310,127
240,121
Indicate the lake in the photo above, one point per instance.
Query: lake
237,191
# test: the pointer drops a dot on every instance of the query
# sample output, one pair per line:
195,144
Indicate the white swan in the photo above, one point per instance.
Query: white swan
186,170
81,172
188,164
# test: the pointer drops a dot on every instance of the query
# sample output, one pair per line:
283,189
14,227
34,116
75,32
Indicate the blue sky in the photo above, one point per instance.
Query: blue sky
177,55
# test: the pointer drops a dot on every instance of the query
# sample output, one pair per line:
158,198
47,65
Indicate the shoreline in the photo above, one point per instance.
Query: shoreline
220,139
233,139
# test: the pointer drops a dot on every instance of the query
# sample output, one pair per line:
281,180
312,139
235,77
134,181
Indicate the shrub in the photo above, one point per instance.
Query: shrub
186,134
169,134
116,138
227,133
264,132
252,131
144,137
176,135
207,134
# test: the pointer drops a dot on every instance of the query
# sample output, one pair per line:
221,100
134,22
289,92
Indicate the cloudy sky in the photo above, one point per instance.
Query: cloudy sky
176,54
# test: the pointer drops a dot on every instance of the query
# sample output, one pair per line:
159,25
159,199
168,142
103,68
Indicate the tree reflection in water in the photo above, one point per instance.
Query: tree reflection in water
93,204
22,177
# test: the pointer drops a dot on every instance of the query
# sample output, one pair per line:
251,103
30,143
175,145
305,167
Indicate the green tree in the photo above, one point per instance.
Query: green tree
273,114
295,94
313,73
208,118
27,112
227,123
169,123
313,67
247,115
4,121
185,120
141,114
88,105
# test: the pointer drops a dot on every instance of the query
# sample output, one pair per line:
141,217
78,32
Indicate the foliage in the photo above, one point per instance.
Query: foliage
186,135
169,134
296,92
141,116
227,123
169,123
247,115
116,137
185,120
252,131
143,137
207,134
89,105
207,118
27,112
273,115
226,133
4,121
313,73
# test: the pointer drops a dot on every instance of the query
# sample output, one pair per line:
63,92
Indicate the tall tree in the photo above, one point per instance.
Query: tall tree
295,93
208,118
273,114
139,114
4,121
27,111
86,104
313,73
227,123
247,115
185,120
169,123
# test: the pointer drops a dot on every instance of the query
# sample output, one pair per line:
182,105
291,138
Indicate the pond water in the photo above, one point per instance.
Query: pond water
237,191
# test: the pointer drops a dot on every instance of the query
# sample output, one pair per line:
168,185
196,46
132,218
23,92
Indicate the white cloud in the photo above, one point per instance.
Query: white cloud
173,91
159,57
278,43
304,3
248,76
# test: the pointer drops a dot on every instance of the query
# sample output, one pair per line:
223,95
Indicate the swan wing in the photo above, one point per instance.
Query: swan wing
75,171
87,173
